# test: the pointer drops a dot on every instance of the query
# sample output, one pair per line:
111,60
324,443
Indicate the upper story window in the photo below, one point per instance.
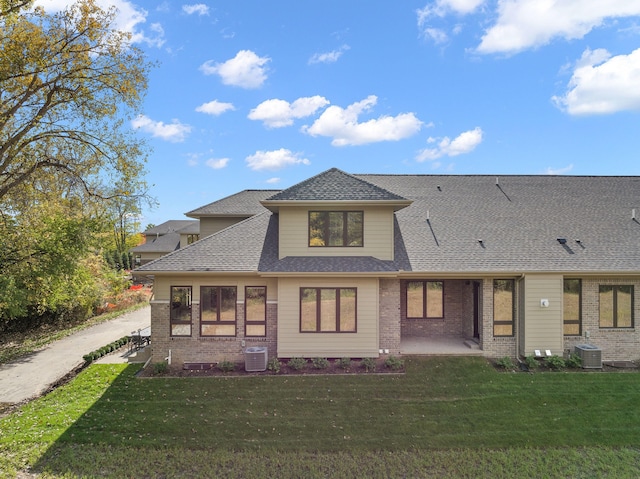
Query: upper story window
336,228
192,238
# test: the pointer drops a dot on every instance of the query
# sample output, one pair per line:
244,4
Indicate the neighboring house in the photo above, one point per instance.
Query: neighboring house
165,238
347,265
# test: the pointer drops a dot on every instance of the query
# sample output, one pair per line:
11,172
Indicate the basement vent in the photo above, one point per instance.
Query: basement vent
590,355
255,359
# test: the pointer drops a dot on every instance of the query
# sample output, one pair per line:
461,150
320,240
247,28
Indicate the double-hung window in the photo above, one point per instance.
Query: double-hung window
218,311
616,306
503,307
425,299
328,310
572,307
180,311
255,311
336,228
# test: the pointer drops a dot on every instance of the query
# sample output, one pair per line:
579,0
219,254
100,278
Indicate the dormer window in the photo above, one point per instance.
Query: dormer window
336,228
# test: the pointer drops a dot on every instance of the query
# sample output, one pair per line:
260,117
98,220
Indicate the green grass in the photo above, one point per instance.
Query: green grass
446,417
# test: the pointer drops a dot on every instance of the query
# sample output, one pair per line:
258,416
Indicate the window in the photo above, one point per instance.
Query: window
180,311
218,311
336,228
572,307
425,299
328,310
503,307
255,311
192,238
616,306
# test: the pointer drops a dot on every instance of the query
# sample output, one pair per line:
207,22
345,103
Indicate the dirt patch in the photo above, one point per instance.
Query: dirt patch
334,367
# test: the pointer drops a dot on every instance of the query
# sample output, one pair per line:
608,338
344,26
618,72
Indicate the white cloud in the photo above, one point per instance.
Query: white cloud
130,18
558,171
218,163
246,70
602,84
215,108
328,57
526,24
199,8
464,143
342,125
273,181
440,9
174,132
274,160
278,113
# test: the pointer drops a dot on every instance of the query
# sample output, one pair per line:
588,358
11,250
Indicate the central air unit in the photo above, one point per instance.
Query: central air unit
255,359
590,355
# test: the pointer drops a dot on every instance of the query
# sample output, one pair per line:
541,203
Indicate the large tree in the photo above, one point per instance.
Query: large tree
68,85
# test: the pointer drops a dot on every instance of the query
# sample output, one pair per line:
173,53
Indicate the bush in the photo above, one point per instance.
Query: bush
505,363
344,363
274,365
369,364
531,362
160,368
574,362
555,363
394,363
320,363
226,366
297,363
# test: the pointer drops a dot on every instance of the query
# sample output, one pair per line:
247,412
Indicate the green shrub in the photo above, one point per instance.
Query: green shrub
394,363
160,368
320,363
344,363
88,358
505,363
555,363
369,364
226,366
574,362
531,362
297,363
274,365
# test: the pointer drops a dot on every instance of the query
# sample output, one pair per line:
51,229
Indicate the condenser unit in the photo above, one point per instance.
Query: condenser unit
255,359
590,355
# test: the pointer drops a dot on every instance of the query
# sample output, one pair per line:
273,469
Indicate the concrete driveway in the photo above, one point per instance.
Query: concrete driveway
30,376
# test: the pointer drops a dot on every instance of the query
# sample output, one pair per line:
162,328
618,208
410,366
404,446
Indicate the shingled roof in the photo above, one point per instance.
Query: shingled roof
335,185
245,203
455,225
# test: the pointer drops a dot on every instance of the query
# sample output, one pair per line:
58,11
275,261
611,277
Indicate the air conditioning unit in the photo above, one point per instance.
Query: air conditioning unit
255,359
590,355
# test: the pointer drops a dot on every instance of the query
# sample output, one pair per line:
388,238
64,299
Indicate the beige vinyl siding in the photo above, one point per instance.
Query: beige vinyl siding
543,325
162,285
293,343
209,226
378,233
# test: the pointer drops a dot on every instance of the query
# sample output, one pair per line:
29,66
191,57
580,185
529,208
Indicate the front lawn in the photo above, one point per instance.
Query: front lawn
446,417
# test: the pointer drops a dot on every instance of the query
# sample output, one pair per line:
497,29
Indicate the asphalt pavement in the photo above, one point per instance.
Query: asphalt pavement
32,375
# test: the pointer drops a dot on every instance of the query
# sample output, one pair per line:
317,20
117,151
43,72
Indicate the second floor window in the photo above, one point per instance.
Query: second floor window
336,228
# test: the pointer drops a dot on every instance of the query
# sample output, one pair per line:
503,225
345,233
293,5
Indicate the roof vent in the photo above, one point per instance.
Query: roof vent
562,240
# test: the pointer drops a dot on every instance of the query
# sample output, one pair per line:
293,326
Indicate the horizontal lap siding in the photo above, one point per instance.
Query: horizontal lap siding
543,326
378,234
208,226
293,343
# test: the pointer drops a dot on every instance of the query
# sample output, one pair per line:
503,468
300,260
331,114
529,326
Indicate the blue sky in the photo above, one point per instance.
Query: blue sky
258,94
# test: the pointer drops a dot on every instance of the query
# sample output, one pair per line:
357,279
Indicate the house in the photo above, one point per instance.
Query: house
165,238
345,265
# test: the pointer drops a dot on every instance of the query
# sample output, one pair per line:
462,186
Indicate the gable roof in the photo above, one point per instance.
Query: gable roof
161,244
173,226
244,203
518,218
335,185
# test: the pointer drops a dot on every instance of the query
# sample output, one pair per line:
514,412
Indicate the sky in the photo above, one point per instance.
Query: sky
258,94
